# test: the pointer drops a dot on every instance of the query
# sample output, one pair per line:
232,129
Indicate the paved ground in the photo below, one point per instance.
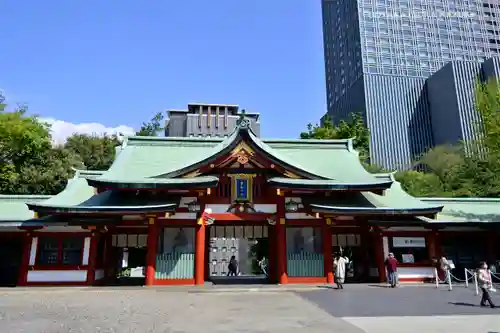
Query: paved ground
356,309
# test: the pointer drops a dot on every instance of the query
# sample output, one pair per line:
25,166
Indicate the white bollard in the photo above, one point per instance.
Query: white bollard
448,274
475,283
466,278
437,277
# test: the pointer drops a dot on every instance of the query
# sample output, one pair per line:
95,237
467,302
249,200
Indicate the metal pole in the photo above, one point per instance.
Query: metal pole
437,277
449,279
475,282
466,278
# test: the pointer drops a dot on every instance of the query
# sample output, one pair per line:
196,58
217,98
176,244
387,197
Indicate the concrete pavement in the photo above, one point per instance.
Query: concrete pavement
356,309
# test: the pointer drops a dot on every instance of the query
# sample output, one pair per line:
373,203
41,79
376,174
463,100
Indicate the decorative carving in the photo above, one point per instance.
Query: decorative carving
242,146
271,221
193,174
243,121
241,207
242,158
291,175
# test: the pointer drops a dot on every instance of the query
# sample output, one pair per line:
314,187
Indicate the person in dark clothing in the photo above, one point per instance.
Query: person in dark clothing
484,281
391,265
233,267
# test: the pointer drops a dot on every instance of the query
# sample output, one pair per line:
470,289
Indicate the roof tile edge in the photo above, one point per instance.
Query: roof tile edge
471,199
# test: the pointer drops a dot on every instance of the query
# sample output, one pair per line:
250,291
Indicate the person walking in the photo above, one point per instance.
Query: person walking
232,267
484,281
339,266
391,264
445,267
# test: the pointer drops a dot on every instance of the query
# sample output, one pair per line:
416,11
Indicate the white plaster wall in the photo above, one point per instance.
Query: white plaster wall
86,251
34,246
63,229
415,272
185,200
294,216
181,216
99,274
265,208
57,276
217,208
407,229
385,244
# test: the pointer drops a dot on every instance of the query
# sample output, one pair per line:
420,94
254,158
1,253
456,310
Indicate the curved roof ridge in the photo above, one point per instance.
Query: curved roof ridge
145,140
243,126
25,196
385,175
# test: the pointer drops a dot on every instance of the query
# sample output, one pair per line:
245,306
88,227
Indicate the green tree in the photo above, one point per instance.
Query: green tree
28,162
420,183
96,153
152,127
352,128
487,104
50,176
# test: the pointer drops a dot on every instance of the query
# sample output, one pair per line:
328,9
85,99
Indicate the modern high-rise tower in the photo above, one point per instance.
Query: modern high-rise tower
379,55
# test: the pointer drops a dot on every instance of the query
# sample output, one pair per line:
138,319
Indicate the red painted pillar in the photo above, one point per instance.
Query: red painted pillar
327,252
272,265
379,255
108,260
432,245
281,241
94,240
199,254
151,254
23,269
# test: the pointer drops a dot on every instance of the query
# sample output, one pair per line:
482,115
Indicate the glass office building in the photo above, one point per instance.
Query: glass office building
380,53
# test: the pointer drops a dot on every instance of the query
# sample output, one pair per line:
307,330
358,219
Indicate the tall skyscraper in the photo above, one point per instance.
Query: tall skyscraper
380,53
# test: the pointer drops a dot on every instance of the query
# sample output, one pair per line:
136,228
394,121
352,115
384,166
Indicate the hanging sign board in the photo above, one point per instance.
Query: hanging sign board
408,241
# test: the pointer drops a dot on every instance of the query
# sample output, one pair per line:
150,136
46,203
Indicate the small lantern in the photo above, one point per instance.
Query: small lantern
292,206
193,206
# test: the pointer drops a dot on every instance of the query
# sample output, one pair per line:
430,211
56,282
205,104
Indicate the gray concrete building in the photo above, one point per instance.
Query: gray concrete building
451,95
379,54
200,119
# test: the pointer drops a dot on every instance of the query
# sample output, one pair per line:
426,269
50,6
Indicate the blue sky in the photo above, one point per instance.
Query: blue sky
119,62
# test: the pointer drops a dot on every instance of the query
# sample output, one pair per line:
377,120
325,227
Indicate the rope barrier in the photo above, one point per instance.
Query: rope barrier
470,275
460,280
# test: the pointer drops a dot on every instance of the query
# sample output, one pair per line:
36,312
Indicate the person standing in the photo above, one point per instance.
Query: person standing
391,265
339,265
484,281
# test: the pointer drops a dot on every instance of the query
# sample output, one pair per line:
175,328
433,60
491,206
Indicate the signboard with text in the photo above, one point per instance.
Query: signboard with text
408,241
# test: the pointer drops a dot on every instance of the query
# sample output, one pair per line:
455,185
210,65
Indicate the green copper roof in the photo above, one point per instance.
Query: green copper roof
145,157
394,202
114,202
321,184
156,183
77,190
466,210
13,207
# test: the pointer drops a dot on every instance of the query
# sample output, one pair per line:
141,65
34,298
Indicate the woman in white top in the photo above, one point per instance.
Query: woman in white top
339,265
484,281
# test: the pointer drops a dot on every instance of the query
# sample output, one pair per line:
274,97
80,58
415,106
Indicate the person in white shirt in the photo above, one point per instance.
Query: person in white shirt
339,265
484,281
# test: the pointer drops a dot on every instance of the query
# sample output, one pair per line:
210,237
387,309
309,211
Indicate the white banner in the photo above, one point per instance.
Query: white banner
408,241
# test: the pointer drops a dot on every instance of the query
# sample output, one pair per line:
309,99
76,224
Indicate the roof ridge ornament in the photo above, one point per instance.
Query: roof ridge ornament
243,122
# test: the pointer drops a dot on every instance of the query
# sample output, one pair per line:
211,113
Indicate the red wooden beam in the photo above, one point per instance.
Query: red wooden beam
240,216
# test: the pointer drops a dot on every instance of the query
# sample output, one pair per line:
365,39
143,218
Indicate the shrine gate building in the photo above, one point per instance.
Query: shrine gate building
174,210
